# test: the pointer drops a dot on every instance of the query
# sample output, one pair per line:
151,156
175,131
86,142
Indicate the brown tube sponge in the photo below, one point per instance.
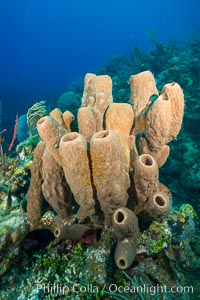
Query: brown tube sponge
125,253
175,94
143,87
51,132
88,89
68,118
65,119
73,152
158,123
86,122
110,172
98,116
35,194
119,117
103,90
54,186
160,156
126,230
100,88
72,232
57,115
145,179
124,223
158,205
97,96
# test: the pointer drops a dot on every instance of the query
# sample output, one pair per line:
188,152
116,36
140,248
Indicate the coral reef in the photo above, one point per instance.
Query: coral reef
164,254
96,164
14,185
13,230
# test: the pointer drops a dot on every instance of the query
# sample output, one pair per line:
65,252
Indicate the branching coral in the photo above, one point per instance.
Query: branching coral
34,113
111,166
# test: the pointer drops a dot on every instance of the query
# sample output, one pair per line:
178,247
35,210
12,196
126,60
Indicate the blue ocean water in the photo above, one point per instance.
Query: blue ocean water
47,44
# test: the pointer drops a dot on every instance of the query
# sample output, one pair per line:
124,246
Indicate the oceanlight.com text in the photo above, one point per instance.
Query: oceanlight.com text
149,289
77,288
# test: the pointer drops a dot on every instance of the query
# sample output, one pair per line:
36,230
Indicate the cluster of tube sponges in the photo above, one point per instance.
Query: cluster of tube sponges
111,166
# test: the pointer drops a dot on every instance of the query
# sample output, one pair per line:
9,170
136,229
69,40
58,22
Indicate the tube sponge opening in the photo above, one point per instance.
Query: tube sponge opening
158,205
159,201
164,96
69,137
146,160
101,134
119,217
